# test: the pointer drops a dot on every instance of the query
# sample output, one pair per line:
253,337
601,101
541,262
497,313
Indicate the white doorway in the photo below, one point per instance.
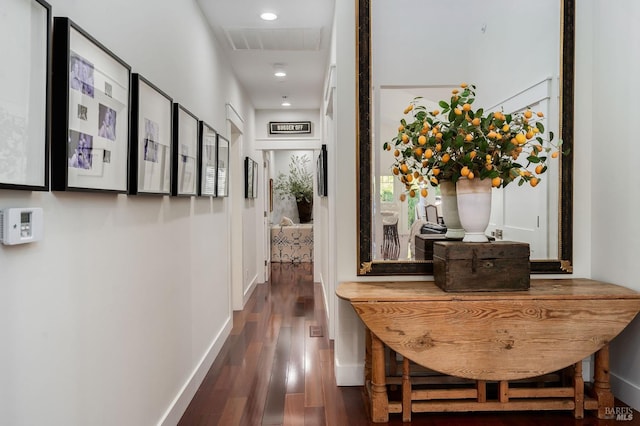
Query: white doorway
236,189
268,209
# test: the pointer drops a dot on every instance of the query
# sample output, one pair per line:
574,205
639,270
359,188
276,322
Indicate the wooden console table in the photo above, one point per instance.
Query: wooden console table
496,336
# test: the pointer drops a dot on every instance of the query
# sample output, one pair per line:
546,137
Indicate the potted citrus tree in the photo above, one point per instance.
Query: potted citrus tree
464,145
297,184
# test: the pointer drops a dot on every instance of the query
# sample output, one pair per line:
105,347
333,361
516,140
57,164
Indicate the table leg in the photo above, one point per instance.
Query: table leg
578,389
367,357
601,384
406,390
379,397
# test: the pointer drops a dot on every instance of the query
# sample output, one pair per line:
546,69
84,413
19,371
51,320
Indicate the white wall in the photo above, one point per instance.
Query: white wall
349,336
108,319
607,39
603,199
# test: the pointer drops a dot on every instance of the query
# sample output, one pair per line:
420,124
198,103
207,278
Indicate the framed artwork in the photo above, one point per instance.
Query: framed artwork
90,119
270,195
208,173
248,177
151,150
25,43
254,185
222,145
185,152
321,172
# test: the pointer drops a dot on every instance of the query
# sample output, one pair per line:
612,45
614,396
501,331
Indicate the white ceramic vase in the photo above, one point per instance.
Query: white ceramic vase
450,211
474,208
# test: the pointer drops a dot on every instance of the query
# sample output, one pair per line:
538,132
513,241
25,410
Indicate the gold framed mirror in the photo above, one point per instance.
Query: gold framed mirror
369,262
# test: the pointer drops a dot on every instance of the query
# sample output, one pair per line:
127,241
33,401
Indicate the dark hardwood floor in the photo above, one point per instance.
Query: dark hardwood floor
276,368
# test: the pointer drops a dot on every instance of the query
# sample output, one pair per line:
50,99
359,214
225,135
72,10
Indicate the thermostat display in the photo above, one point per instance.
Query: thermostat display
20,225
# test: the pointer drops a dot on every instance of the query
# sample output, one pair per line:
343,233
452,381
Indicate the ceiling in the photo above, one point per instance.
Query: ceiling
299,39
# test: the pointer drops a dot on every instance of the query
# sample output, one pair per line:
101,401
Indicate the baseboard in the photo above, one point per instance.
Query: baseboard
326,309
180,403
349,375
625,391
249,291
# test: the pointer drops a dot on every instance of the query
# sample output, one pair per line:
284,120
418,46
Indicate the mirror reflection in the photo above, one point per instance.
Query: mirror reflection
426,48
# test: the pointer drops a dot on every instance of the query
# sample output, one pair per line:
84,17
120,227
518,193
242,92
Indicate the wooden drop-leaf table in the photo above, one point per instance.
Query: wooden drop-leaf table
492,337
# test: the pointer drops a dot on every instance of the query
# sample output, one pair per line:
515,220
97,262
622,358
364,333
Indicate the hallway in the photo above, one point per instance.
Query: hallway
276,368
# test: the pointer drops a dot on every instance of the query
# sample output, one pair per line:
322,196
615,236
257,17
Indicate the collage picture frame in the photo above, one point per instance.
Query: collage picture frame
25,43
151,150
185,152
91,113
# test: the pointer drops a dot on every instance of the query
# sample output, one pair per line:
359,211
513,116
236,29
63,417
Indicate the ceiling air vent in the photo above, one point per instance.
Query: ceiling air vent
274,39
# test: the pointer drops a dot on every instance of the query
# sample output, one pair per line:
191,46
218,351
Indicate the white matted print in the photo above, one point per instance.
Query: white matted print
208,167
97,136
24,43
154,137
186,147
223,166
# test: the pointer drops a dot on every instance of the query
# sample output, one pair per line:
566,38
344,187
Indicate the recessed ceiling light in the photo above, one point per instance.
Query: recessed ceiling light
269,16
278,70
285,102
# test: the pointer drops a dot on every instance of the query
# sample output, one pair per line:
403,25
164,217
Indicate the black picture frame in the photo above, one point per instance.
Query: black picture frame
254,194
248,177
186,139
321,172
25,120
222,149
91,102
151,148
208,154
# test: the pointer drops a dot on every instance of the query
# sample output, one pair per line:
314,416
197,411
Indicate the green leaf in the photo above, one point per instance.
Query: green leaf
443,104
533,159
540,127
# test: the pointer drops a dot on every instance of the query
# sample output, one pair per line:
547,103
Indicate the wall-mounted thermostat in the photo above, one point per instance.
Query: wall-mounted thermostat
20,225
